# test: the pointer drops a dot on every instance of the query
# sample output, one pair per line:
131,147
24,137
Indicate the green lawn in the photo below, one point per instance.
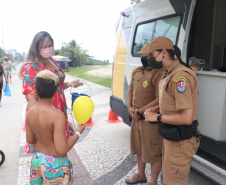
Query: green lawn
80,72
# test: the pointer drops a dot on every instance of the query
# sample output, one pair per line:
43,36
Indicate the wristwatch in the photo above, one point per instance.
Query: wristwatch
159,118
138,113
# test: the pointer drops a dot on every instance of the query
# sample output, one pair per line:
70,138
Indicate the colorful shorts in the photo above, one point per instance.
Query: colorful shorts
46,169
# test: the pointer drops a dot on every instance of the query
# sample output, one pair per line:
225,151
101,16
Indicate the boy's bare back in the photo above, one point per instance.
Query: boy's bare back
45,125
45,121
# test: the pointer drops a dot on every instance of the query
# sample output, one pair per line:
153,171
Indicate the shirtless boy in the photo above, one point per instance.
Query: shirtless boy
45,127
7,65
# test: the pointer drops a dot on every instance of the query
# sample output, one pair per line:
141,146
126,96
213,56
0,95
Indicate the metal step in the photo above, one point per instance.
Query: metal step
208,170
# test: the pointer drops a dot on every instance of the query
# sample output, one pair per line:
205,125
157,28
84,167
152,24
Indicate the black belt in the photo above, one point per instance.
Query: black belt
179,132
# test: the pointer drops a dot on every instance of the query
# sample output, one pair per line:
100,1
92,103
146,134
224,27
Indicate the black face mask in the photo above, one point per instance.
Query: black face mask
154,64
144,62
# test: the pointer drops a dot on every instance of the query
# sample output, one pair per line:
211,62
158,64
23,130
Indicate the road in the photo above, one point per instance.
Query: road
102,153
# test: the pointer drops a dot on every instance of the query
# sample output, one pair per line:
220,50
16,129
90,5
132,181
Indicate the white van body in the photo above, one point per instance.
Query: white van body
198,28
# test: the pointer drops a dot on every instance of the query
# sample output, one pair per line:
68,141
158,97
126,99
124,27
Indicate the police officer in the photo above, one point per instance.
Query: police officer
178,102
145,141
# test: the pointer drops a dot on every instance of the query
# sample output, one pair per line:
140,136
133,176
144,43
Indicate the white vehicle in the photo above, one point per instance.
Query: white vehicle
198,28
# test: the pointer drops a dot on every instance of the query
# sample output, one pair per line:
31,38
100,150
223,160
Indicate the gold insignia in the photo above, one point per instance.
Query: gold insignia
145,84
180,79
144,46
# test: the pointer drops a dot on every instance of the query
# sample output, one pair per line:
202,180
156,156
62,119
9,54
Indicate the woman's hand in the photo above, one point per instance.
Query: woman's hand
75,83
150,116
153,109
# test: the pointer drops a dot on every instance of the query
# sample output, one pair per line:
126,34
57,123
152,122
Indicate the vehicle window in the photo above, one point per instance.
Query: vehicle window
146,32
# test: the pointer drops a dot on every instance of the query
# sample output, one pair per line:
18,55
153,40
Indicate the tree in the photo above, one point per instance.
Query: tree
82,56
2,53
72,49
75,53
57,51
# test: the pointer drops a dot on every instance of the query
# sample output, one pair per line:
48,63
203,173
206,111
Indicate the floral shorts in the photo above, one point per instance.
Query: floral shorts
46,169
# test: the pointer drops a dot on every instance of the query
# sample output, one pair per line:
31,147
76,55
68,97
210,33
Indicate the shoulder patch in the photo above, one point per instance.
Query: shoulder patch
181,86
182,79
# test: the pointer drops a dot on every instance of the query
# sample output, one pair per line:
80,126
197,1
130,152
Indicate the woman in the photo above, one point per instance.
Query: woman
39,58
178,105
2,73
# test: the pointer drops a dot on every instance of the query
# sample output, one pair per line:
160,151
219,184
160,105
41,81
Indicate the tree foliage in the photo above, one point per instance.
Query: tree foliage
75,52
77,55
57,52
2,53
97,62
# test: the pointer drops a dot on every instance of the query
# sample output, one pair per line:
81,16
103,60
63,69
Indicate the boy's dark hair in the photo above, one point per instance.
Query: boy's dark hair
46,84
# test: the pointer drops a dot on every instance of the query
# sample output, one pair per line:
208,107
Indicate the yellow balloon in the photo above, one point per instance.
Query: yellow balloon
83,108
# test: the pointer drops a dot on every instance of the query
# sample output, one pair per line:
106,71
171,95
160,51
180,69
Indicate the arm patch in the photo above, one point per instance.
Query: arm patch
183,79
181,84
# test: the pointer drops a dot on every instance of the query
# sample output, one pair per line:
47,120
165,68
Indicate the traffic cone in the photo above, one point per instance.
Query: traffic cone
90,122
113,118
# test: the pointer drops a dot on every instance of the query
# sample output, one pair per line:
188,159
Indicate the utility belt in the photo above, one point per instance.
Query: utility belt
179,132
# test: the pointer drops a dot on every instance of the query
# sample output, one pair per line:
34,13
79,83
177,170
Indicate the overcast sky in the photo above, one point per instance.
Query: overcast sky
90,22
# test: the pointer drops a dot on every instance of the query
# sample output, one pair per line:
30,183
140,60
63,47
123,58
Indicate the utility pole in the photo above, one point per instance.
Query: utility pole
2,41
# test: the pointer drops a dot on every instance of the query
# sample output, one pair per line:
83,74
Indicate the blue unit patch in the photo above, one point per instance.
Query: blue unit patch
181,86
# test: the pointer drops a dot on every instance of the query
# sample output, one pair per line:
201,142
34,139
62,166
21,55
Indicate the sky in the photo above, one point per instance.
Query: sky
90,22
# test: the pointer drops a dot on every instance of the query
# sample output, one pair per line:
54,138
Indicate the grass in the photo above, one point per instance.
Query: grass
81,73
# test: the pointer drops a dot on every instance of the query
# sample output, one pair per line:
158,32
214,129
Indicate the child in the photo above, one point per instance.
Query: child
45,127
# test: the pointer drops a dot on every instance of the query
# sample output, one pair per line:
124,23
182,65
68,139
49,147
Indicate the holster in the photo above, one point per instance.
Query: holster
169,132
179,132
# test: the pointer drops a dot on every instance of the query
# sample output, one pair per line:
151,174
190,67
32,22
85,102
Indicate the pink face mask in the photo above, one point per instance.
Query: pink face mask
46,52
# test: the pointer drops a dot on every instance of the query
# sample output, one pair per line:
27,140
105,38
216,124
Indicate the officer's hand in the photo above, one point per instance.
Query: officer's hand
149,110
152,109
150,116
136,116
131,112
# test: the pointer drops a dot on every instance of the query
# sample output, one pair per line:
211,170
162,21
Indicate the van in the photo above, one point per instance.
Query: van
198,28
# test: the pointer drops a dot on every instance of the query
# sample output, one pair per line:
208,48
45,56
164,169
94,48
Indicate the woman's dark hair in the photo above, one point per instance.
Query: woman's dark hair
175,52
37,44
